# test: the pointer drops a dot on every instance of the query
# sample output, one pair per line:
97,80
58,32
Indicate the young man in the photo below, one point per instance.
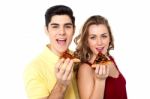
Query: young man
48,76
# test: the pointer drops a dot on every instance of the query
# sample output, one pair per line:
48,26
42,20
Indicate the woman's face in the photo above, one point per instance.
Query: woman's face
98,39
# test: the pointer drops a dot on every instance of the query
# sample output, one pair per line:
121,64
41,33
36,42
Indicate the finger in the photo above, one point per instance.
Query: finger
66,61
97,69
76,60
107,69
63,66
70,66
68,70
58,64
100,72
69,76
103,69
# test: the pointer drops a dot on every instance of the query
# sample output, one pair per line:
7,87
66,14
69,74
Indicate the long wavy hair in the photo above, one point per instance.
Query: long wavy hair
83,52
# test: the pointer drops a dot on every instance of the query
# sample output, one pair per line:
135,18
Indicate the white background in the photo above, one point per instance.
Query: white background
22,37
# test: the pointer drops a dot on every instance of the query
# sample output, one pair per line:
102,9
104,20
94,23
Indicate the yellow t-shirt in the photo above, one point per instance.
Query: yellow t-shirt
39,77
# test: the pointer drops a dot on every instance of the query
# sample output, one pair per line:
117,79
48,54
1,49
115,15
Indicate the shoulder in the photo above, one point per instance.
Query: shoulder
85,74
84,70
33,66
85,66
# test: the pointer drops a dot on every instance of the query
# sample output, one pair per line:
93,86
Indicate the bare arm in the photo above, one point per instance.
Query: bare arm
113,72
91,85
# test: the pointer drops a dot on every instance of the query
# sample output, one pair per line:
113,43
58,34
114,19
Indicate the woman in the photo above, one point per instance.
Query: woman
105,81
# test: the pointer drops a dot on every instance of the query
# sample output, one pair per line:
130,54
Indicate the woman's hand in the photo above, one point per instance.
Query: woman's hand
101,71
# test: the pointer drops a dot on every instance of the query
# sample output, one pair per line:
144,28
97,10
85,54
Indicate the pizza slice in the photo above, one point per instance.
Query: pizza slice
68,55
101,59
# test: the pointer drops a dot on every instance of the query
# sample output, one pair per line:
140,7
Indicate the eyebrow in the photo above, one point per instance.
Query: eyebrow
101,34
64,24
68,24
105,33
91,34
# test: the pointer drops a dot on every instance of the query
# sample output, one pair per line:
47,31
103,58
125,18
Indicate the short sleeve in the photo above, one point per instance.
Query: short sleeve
34,84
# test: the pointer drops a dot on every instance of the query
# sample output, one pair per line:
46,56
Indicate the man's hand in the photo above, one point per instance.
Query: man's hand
63,71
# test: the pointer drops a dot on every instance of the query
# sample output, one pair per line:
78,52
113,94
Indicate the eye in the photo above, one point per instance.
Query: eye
104,36
93,37
68,26
55,26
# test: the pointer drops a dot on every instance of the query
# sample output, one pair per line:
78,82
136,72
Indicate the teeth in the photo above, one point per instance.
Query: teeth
99,48
61,39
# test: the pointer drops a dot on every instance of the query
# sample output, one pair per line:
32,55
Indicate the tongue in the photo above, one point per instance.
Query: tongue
61,42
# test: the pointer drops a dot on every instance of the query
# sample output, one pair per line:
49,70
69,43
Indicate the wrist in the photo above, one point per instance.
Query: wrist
100,82
61,86
100,79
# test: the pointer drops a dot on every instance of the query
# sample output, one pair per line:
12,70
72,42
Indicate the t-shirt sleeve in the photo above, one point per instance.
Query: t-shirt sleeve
34,84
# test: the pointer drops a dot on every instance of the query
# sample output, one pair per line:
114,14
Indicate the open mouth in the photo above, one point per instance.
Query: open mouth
61,41
100,49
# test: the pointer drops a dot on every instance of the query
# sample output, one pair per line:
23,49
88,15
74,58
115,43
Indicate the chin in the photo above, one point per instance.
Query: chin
61,50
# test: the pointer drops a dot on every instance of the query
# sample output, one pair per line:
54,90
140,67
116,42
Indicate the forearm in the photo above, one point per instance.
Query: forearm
58,91
98,90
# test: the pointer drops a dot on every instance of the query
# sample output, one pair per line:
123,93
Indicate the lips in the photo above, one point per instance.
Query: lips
100,49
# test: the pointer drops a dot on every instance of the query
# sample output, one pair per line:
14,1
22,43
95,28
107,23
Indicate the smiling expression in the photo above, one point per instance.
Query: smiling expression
98,39
60,31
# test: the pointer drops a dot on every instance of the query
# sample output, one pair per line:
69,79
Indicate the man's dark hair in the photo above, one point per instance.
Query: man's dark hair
59,10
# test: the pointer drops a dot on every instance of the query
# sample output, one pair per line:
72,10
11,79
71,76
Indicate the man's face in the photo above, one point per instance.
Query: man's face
60,31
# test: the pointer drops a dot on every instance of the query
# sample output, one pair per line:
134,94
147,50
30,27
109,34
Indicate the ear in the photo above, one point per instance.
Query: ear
46,30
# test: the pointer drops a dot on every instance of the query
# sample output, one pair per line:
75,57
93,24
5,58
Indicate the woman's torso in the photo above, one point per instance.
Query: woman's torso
115,88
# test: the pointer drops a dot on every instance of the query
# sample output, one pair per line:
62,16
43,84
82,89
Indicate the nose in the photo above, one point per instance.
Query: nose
61,31
99,41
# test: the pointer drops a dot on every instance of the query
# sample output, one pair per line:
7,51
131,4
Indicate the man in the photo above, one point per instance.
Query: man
48,76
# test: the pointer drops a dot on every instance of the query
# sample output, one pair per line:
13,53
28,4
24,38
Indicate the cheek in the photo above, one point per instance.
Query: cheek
106,41
107,45
91,44
69,37
51,36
